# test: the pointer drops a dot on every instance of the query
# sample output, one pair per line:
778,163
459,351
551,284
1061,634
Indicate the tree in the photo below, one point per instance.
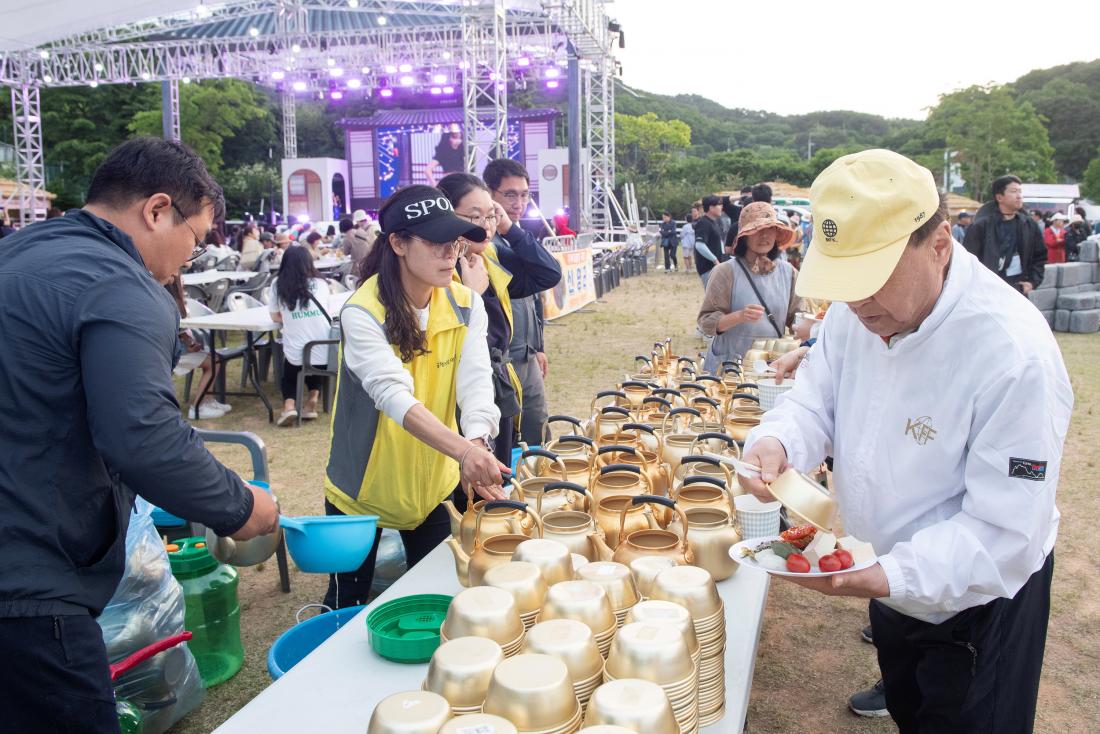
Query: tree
1091,187
247,185
994,135
644,145
1072,112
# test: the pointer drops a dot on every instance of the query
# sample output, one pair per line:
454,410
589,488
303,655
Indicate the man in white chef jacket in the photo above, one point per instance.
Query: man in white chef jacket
942,397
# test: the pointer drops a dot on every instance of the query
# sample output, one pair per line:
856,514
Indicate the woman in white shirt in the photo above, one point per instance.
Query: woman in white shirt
414,350
297,299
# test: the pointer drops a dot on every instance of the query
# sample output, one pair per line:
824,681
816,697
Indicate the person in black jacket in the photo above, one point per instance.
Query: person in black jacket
89,417
670,241
708,238
1006,240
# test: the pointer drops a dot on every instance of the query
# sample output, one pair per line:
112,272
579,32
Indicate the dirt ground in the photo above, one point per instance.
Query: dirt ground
810,655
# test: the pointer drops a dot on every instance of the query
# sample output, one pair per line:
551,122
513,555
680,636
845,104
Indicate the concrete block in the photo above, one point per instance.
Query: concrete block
1074,274
1090,251
1096,272
1050,277
1049,316
1083,288
1061,320
1044,299
1085,322
1076,301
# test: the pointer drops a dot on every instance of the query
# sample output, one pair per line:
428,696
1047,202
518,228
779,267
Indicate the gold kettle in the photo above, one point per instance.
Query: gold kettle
715,443
606,515
649,542
553,495
711,534
676,441
701,466
710,410
571,528
618,479
492,550
699,491
609,419
498,520
648,461
635,391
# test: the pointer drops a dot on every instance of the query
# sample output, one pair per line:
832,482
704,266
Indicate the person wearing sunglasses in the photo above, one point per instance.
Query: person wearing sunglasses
89,419
414,350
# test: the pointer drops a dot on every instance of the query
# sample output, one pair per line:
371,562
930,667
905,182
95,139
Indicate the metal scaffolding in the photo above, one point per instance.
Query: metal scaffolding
484,84
26,115
170,109
599,88
290,124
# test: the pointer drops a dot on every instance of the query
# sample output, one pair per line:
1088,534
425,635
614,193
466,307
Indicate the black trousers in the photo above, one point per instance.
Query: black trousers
353,589
977,672
55,678
670,249
289,382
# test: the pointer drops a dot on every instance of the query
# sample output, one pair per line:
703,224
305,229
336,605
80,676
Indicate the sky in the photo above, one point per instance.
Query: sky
887,58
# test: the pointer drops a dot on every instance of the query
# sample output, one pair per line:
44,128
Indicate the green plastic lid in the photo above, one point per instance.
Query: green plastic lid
406,630
191,558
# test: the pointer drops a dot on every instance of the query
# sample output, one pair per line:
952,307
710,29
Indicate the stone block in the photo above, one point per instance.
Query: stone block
1044,299
1083,288
1049,316
1096,272
1061,320
1090,251
1076,301
1074,274
1050,277
1085,322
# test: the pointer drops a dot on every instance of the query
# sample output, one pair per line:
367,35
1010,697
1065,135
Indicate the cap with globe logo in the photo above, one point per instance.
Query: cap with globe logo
866,205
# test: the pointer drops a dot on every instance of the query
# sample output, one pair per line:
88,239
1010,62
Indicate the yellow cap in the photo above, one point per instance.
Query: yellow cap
865,205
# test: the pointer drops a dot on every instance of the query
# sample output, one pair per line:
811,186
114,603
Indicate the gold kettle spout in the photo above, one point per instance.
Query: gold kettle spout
462,560
456,518
600,548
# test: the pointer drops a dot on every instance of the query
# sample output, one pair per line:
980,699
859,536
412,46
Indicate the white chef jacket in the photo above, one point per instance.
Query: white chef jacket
946,445
369,356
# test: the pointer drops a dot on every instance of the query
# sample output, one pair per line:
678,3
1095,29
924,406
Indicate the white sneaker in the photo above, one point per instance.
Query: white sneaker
287,418
223,407
309,415
206,411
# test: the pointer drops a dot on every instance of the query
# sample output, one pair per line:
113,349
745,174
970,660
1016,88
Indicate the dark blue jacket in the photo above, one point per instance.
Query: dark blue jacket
88,416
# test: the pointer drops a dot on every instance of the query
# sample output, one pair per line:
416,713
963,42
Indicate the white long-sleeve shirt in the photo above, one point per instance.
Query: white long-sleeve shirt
370,357
946,445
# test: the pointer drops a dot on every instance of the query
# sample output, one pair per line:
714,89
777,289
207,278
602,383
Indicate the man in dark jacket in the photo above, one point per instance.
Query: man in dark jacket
708,238
88,418
670,241
1006,240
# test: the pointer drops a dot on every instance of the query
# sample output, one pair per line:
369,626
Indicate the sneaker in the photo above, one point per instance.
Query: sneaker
865,633
871,702
287,418
223,407
206,411
309,415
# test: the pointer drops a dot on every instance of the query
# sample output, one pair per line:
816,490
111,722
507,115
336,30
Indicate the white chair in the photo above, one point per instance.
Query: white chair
336,286
238,301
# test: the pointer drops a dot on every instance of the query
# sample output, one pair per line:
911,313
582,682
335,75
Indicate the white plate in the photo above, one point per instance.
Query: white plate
735,554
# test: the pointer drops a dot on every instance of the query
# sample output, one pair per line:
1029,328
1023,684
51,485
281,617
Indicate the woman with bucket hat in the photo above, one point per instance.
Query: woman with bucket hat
751,295
413,350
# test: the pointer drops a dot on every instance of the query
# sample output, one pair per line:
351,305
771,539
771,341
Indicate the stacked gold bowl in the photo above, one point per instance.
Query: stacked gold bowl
637,705
525,582
646,568
478,724
535,693
694,589
574,644
617,581
658,654
460,670
584,602
411,712
485,611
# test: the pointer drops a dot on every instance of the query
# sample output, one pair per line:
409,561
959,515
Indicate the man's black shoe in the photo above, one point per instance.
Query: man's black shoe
871,702
865,633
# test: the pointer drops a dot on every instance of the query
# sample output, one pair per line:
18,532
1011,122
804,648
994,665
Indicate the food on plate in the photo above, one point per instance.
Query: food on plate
799,535
829,563
783,549
797,563
823,544
770,560
861,552
844,557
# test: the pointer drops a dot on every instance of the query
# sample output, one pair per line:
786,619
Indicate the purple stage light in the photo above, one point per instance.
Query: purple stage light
407,81
391,69
405,68
387,93
299,86
337,94
436,91
278,75
337,71
354,83
552,73
523,61
493,76
440,78
448,90
552,84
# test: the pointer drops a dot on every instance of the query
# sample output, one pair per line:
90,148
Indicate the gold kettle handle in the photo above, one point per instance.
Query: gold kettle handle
492,505
653,499
672,414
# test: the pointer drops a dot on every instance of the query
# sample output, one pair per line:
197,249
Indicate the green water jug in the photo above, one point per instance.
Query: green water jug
212,614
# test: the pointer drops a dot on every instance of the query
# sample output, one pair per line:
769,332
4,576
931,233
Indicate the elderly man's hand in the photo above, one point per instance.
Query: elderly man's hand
768,454
786,365
870,583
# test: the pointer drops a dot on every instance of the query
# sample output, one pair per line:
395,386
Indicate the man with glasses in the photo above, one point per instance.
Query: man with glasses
510,186
89,418
1006,240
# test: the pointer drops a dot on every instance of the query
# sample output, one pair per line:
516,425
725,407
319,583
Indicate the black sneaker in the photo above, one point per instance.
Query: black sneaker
865,633
871,702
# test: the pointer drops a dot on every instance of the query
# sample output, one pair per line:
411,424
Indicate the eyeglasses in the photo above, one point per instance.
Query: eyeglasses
515,195
479,221
199,248
443,250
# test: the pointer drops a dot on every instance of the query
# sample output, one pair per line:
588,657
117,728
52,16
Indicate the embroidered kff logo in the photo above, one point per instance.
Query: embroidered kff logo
920,429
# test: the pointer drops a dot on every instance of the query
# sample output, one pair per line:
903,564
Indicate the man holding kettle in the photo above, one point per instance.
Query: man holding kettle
941,395
89,417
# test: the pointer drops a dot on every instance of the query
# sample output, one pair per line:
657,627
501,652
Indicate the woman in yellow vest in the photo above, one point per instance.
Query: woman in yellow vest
413,351
499,272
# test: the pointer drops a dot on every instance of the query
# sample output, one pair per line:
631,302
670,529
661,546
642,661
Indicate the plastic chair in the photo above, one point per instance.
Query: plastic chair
254,286
239,301
335,286
230,262
215,293
222,355
328,372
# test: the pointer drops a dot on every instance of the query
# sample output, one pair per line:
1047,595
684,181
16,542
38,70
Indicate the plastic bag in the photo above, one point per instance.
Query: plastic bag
148,606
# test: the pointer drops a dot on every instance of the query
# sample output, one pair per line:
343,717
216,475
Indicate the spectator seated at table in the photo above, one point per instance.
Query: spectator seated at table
191,356
296,299
313,243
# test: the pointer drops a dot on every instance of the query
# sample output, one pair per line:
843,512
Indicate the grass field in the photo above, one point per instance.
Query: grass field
810,656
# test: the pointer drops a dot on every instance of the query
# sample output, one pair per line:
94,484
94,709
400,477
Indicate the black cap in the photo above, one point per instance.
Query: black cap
964,214
428,214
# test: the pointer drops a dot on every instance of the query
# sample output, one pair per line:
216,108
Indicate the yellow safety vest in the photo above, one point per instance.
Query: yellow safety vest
375,466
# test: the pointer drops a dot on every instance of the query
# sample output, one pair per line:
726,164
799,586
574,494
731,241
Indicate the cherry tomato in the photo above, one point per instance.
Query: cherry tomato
844,557
797,563
829,563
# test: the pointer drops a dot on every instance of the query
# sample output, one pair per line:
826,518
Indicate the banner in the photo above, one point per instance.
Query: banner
576,289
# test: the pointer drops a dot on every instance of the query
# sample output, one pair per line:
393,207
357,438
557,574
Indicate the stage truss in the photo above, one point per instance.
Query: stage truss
272,42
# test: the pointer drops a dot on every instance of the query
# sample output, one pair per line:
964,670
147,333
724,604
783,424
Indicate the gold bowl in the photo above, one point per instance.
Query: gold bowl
639,705
483,611
658,653
532,691
646,568
691,586
580,600
614,578
571,642
805,497
460,670
480,723
578,561
656,611
603,729
412,712
524,581
550,556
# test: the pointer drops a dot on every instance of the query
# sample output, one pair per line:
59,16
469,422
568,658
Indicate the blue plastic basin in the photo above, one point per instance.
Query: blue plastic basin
329,543
303,638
